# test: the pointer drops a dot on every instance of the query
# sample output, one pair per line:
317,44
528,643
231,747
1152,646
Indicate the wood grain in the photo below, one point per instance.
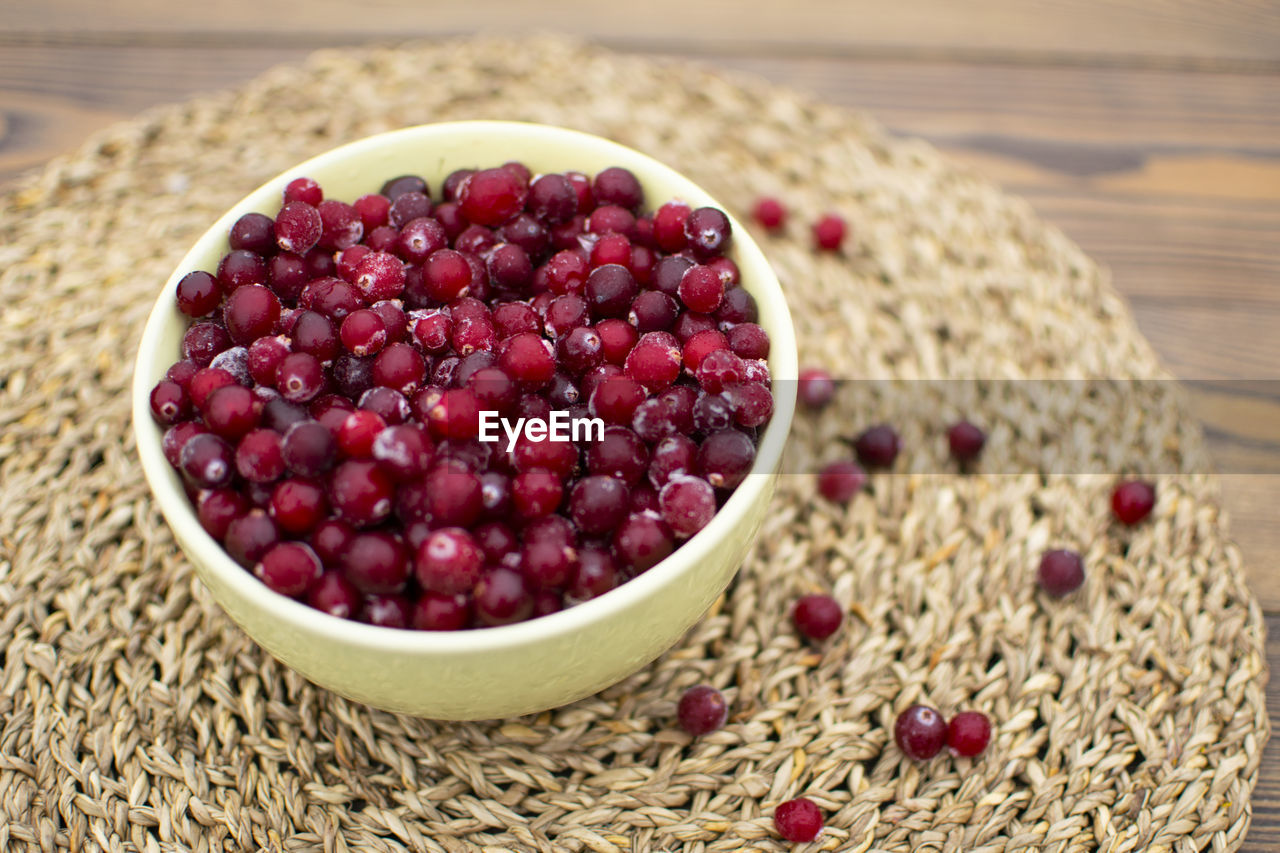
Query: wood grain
1182,32
1148,131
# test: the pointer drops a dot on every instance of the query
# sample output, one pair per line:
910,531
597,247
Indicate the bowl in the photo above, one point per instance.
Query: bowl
500,671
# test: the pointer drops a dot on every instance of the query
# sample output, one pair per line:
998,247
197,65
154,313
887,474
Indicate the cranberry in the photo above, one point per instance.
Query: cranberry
687,504
690,323
403,451
615,400
718,369
611,219
654,361
610,290
1132,501
251,312
433,331
393,188
708,232
702,710
357,434
419,238
176,438
399,366
437,612
501,597
287,274
169,403
331,540
240,267
619,453
298,505
387,403
920,732
205,382
387,611
770,213
250,536
181,373
446,275
380,275
653,311
259,456
303,189
547,563
750,402
528,359
253,232
340,225
816,388
553,199
1061,572
216,510
642,541
968,733
491,196
738,306
877,446
748,340
672,456
668,226
965,441
308,449
817,616
565,313
798,820
611,248
203,341
352,375
839,481
455,498
701,289
288,568
363,332
373,210
407,207
198,294
536,493
332,297
725,458
208,461
595,574
619,186
300,377
617,338
828,232
598,503
332,593
298,227
361,492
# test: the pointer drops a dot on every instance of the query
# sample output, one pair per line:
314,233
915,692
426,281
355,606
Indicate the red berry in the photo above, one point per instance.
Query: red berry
828,232
1133,500
798,820
817,616
448,561
298,227
877,446
361,492
687,504
701,289
1061,572
702,710
920,732
198,294
770,213
968,733
839,481
492,196
708,231
288,568
303,189
965,441
816,387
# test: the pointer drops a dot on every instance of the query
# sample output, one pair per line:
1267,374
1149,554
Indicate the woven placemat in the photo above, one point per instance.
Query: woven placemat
135,716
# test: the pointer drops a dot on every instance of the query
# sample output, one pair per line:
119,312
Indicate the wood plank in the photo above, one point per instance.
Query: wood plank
1177,31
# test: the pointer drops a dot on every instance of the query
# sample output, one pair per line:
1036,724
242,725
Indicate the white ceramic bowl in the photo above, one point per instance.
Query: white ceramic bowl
502,671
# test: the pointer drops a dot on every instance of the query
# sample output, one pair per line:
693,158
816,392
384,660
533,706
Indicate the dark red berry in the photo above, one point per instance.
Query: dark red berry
393,188
501,597
169,403
701,289
968,733
687,504
198,294
492,196
798,820
437,612
298,227
251,312
839,481
817,616
877,446
702,710
361,492
965,441
332,593
448,561
288,568
642,541
725,458
920,732
250,536
816,388
1133,500
298,505
1061,572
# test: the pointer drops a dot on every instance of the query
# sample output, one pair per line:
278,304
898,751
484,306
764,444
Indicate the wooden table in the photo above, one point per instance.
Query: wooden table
1149,131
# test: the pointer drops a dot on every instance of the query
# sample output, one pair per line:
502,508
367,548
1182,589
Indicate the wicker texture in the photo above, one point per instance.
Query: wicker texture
135,716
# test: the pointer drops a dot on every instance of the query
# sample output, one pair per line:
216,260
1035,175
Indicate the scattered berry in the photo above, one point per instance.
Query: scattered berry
817,616
838,482
968,733
702,710
920,732
828,232
965,441
1061,572
798,820
878,446
770,213
1132,501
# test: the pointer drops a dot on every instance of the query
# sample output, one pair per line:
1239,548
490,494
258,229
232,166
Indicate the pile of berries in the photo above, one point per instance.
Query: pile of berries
326,414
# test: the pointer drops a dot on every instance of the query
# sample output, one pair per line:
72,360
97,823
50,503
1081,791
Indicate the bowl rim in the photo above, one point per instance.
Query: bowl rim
180,513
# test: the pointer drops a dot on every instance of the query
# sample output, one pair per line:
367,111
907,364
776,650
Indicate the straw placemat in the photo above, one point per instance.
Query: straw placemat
135,716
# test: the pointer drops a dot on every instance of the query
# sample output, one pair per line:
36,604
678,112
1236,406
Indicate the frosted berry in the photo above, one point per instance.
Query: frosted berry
298,227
